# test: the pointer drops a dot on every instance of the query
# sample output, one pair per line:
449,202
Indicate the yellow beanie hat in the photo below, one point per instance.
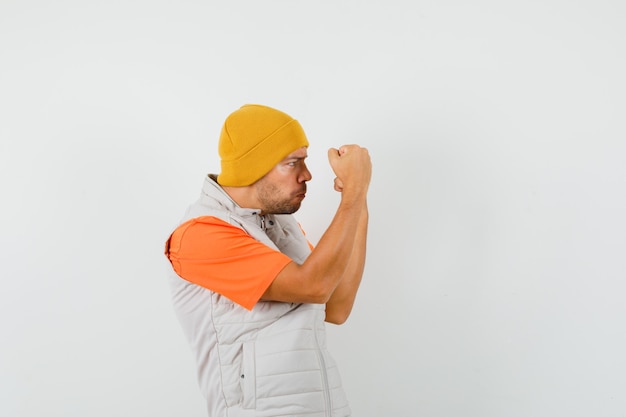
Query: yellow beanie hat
253,140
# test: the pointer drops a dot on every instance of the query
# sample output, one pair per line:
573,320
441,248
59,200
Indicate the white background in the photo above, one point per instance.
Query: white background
495,280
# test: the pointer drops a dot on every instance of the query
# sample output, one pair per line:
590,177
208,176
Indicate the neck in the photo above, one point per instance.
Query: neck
243,196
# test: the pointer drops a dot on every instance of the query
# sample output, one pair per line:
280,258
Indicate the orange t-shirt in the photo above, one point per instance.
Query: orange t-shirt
225,259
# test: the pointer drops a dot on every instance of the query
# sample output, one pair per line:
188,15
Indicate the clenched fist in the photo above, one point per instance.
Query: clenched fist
353,167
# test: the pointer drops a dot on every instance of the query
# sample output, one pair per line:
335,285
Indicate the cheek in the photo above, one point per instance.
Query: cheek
287,174
283,170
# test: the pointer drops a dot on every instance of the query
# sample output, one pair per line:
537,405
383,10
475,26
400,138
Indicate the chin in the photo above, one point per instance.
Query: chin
292,209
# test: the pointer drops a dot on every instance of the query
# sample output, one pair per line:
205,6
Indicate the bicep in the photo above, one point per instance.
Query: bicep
296,284
225,259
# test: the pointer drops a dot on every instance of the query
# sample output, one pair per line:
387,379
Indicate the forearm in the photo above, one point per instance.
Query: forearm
317,278
340,304
338,252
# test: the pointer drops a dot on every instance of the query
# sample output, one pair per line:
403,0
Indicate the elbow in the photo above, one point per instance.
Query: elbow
338,312
338,309
335,316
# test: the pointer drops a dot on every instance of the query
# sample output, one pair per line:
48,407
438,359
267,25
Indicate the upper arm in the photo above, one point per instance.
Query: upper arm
294,284
225,259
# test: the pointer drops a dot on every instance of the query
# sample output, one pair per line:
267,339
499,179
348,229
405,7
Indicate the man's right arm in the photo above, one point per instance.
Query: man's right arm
317,278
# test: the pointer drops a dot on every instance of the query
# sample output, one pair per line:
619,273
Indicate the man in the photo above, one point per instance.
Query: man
249,290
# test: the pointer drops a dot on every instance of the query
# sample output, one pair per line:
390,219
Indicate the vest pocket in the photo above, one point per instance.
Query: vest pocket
248,376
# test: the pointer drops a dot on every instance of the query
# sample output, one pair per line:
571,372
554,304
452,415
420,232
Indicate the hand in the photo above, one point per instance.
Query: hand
353,167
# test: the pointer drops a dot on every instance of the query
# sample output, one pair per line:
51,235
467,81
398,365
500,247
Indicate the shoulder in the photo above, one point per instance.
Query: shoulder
203,231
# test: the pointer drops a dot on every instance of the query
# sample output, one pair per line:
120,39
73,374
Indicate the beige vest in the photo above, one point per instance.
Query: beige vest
271,361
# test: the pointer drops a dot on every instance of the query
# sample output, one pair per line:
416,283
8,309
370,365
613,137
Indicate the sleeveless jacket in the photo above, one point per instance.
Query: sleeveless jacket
272,360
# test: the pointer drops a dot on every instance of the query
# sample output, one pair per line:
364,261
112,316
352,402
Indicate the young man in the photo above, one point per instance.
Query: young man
251,293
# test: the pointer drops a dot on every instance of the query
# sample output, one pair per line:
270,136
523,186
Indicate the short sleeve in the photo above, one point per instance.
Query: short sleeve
223,258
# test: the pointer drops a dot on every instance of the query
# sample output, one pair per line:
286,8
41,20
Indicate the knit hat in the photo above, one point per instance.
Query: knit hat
253,140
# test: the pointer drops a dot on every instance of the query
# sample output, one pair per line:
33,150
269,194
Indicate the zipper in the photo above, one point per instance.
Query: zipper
248,376
324,375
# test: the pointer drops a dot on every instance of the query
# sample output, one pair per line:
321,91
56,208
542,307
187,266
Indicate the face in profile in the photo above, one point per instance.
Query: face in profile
282,190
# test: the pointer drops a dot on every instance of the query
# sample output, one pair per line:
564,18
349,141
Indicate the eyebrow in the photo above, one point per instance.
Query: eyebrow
297,158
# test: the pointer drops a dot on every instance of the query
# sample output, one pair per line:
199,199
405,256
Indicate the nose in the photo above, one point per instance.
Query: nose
305,175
